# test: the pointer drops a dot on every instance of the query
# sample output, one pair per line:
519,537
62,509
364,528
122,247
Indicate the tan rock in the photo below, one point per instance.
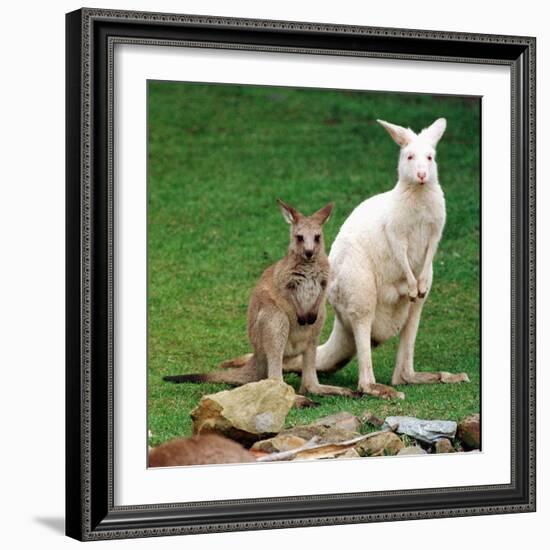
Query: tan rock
413,450
369,418
279,443
469,432
443,445
350,453
323,434
247,413
383,444
343,420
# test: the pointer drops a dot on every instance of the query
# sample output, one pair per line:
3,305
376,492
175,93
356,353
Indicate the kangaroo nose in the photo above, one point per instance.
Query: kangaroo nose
421,175
309,253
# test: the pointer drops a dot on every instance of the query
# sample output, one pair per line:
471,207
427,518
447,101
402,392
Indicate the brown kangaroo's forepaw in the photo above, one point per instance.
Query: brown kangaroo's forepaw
307,319
382,391
311,318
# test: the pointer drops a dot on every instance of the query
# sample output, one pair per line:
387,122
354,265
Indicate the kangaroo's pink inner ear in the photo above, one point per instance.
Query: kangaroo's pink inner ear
290,214
401,136
434,132
323,215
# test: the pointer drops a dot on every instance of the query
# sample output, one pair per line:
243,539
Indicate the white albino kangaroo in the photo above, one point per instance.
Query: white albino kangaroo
381,262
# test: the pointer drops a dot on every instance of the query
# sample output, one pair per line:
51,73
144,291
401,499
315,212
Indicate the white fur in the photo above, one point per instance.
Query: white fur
381,263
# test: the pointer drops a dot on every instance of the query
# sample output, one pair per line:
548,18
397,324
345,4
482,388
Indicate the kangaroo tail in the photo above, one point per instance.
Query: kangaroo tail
337,351
241,374
294,364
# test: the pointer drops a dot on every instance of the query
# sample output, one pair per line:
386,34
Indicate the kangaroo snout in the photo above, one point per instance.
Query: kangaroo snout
421,175
309,254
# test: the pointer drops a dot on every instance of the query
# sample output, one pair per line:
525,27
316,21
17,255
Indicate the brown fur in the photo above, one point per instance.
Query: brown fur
286,311
200,449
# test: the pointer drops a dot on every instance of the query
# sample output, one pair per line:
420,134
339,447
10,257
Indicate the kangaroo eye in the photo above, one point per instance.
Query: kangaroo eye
300,238
430,157
317,238
410,157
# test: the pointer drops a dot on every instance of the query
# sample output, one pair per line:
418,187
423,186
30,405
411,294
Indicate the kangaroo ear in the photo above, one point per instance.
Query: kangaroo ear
291,215
323,215
401,136
434,132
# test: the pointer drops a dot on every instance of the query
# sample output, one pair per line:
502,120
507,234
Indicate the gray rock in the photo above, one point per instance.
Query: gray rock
469,432
247,413
414,450
428,431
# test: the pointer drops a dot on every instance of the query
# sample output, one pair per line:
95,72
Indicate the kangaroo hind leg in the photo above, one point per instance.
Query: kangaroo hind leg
404,372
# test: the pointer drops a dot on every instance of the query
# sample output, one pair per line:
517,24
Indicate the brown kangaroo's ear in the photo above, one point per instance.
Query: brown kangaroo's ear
321,216
290,214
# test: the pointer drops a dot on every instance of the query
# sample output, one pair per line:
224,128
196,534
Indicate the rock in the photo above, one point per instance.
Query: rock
279,443
413,450
324,434
350,453
383,444
325,430
247,413
469,432
428,431
368,418
344,420
443,445
200,449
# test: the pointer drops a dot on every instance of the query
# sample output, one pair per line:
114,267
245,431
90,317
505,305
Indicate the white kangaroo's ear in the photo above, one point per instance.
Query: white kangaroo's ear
434,132
323,215
290,214
401,136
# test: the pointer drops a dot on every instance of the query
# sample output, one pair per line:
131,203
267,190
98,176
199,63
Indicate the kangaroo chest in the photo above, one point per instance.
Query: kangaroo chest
307,283
424,221
307,292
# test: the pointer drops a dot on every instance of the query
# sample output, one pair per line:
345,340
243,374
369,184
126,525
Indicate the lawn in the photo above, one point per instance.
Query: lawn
219,156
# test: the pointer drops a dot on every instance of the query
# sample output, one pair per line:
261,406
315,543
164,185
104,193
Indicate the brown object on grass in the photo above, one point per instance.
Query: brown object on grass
201,449
469,432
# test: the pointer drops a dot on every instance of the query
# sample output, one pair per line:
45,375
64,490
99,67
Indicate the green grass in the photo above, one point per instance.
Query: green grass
218,157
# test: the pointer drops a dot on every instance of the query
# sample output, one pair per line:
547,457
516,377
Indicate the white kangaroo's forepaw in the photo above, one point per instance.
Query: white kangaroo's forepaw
413,292
422,289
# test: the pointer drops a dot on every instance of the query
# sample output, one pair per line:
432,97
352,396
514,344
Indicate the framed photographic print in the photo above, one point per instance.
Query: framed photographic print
300,274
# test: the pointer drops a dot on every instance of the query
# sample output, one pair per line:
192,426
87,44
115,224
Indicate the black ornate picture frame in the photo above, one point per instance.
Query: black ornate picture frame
90,509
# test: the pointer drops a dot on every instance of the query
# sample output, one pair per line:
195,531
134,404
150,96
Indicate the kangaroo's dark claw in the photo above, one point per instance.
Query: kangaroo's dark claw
311,318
